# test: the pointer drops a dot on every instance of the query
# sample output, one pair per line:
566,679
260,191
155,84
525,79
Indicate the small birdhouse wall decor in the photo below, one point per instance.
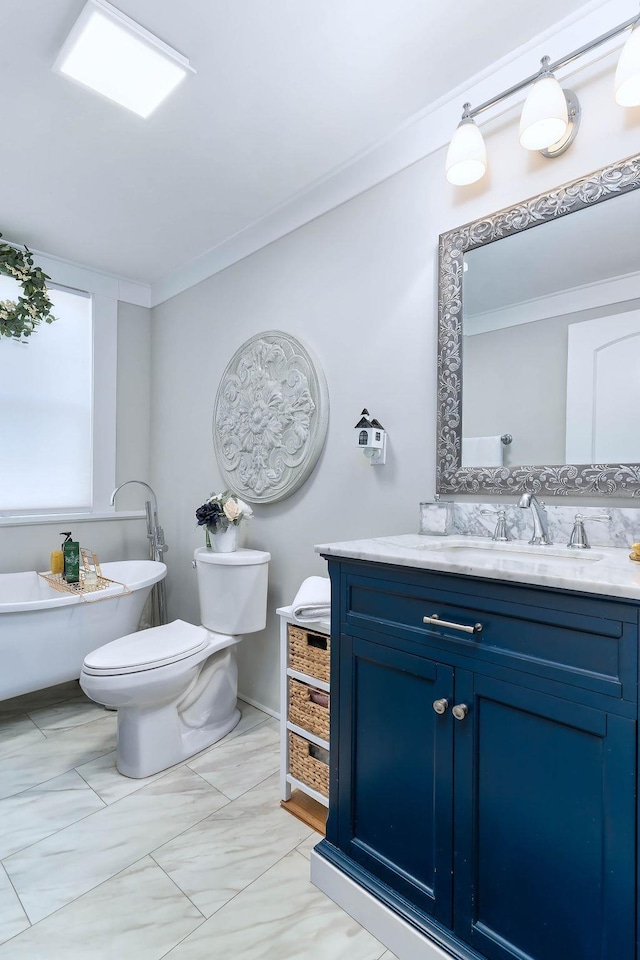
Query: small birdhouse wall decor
372,438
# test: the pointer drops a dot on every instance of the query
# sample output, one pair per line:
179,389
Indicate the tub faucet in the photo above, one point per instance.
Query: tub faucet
540,521
155,533
157,549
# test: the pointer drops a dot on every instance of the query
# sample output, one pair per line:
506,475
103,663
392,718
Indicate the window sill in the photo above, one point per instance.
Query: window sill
58,518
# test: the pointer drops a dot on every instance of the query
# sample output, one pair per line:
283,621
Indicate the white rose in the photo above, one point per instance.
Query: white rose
232,509
245,509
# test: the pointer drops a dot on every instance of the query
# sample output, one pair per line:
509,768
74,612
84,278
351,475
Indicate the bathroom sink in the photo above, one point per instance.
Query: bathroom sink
478,549
530,550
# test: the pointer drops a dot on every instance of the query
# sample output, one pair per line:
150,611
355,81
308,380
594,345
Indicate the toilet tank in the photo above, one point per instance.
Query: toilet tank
232,588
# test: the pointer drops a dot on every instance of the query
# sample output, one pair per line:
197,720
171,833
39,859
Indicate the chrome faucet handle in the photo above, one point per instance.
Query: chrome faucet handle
500,534
578,539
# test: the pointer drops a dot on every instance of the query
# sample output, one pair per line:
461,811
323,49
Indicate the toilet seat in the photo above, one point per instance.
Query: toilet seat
149,649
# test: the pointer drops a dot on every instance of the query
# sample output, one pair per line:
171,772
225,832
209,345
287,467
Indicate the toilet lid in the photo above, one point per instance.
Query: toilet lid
148,648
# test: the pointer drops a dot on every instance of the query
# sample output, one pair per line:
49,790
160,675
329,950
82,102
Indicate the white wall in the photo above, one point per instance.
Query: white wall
27,547
358,285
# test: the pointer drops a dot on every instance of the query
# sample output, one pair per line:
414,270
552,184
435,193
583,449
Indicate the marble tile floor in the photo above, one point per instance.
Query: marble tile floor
196,862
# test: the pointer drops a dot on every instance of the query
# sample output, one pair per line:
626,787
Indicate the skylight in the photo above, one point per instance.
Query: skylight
113,55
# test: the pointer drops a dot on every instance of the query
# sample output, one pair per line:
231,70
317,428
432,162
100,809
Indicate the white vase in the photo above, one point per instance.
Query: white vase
223,541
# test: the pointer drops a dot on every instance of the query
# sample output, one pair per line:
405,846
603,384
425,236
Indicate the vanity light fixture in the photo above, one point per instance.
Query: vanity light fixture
117,58
467,155
550,116
627,81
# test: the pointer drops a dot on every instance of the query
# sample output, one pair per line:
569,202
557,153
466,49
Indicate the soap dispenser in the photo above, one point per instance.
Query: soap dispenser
71,554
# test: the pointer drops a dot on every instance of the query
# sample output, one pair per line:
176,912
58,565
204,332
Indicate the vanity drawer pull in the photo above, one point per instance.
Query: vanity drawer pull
434,618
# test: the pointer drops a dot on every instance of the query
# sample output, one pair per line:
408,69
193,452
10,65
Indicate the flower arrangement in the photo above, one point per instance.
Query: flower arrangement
18,319
221,511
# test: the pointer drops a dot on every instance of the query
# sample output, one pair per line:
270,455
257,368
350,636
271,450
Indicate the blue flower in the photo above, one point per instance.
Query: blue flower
209,514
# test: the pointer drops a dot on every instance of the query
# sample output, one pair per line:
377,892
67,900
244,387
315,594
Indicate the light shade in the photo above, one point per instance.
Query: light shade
467,154
544,119
111,54
627,82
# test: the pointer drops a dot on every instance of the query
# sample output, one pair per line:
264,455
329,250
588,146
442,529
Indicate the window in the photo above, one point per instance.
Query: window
57,408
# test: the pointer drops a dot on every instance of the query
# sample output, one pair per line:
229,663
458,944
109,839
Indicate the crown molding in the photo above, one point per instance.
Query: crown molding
421,135
68,273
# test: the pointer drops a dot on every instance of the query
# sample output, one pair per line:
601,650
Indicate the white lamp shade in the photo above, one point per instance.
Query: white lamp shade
467,155
544,118
627,82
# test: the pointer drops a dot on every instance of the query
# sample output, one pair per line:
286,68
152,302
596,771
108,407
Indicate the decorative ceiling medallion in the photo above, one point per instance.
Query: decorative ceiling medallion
270,418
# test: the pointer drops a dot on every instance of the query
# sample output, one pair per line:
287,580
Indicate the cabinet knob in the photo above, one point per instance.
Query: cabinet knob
460,711
440,706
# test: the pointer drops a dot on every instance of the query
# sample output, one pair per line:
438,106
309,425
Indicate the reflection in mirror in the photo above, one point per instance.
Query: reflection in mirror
554,313
543,311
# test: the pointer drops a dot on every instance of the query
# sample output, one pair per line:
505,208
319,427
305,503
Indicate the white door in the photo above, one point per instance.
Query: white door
603,390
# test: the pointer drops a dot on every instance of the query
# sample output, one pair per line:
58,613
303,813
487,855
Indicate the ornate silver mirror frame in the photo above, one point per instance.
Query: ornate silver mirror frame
610,479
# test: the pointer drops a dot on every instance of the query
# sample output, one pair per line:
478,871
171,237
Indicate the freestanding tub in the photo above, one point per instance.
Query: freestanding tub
45,635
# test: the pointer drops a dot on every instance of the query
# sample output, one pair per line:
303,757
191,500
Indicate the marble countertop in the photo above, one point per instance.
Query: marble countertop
602,570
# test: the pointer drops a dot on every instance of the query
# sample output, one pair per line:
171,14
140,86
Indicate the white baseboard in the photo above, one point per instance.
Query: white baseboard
259,706
382,923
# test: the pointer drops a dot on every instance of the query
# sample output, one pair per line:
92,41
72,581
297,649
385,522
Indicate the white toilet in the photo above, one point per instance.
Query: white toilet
175,686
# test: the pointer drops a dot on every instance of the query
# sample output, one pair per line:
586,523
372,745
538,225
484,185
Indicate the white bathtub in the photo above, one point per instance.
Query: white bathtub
45,635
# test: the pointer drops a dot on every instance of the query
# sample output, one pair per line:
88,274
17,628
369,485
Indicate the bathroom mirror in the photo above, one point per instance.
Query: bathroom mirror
539,344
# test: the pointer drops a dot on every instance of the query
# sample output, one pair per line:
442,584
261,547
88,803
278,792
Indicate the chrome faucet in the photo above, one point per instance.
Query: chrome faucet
157,548
540,520
155,533
142,483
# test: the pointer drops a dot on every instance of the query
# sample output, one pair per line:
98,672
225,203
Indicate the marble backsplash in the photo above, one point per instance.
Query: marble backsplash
467,519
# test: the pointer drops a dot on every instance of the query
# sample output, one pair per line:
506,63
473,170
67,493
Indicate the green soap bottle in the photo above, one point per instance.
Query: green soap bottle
71,554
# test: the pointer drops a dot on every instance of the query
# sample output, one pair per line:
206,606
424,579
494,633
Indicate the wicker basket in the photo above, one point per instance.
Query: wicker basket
306,768
309,708
309,652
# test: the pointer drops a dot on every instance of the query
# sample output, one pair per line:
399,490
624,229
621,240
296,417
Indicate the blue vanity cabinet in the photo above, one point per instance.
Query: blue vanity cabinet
396,773
510,832
544,825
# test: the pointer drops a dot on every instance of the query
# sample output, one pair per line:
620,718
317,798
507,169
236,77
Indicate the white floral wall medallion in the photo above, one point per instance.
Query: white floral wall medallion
270,419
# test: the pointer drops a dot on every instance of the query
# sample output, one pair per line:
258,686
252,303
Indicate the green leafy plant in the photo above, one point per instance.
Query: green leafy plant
19,318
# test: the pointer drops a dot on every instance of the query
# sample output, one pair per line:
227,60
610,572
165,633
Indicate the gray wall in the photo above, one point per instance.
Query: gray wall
359,286
515,381
27,547
354,286
134,402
